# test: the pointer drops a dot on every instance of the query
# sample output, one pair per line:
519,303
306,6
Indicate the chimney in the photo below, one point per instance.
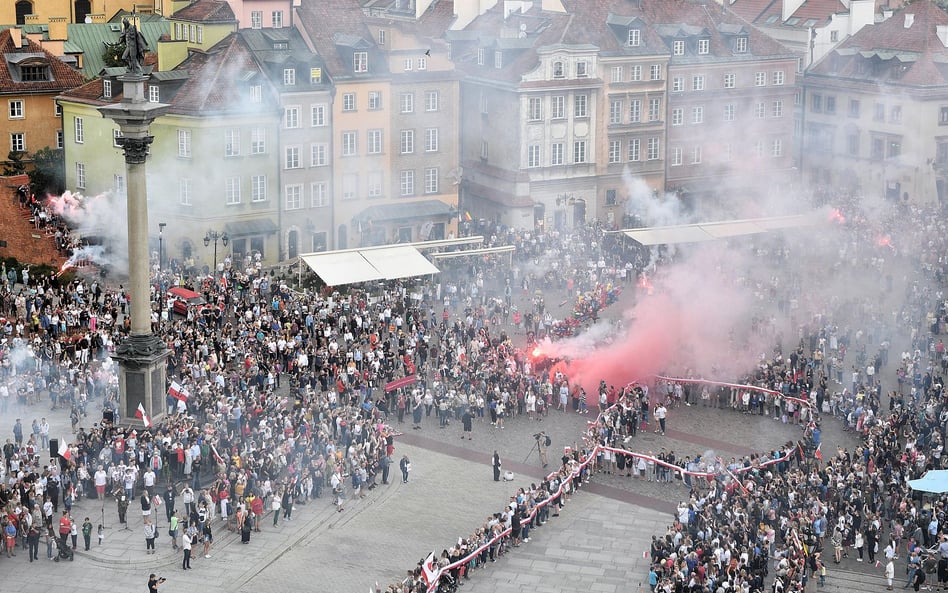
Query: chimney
57,28
17,36
942,32
909,19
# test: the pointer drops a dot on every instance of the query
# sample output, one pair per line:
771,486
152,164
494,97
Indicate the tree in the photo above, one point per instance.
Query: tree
14,164
49,171
112,56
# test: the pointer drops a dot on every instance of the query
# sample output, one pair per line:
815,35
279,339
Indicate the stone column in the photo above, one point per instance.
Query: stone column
142,356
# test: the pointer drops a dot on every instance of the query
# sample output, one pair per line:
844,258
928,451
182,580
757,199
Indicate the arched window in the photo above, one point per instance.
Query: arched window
559,71
23,8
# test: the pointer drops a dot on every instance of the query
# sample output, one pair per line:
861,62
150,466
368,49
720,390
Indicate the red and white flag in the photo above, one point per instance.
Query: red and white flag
140,414
428,569
818,453
178,392
64,451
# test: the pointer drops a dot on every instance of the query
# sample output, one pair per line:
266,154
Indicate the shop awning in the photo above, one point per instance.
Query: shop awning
351,266
254,226
709,231
421,209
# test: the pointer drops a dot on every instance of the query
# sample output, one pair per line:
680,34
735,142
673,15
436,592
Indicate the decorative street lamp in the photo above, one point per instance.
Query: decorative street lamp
161,229
215,237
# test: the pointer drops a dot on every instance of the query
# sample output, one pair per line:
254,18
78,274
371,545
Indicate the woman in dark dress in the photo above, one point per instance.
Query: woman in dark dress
245,524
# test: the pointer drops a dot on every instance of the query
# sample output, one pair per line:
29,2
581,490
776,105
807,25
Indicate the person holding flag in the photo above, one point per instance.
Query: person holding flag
142,415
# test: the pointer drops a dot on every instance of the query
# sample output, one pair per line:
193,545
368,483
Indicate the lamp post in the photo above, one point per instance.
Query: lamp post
215,237
161,228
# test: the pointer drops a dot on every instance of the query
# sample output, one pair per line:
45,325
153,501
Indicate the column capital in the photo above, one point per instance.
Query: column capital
135,149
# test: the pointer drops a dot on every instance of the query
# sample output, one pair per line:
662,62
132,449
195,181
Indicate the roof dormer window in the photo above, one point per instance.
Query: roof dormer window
582,69
678,47
740,45
106,88
34,73
635,37
559,71
360,61
704,46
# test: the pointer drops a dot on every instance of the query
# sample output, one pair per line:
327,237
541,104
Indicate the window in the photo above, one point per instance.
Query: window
653,149
315,75
558,107
184,143
877,150
349,144
556,153
697,115
77,129
759,110
655,72
107,88
375,100
350,185
611,197
291,117
730,81
704,46
154,93
431,139
319,194
318,155
232,191
635,74
760,79
579,151
559,71
816,103
535,109
635,146
616,74
740,45
480,56
60,141
635,37
758,149
116,138
192,33
432,100
348,102
728,152
895,114
200,33
582,69
776,148
830,104
407,64
258,141
678,116
778,77
696,155
374,183
294,196
374,138
231,142
256,19
533,155
655,109
729,112
854,108
483,102
184,191
852,144
879,113
431,180
615,111
256,94
17,142
498,59
381,36
894,147
635,111
776,109
406,142
580,107
57,110
258,188
406,102
317,116
406,182
676,157
834,36
80,176
615,151
678,84
289,76
276,19
484,150
678,48
422,63
360,61
697,83
292,160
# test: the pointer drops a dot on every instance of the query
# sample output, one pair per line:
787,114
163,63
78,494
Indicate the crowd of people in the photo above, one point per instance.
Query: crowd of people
239,445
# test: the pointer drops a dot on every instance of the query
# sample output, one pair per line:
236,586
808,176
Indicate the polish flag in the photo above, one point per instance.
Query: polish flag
818,453
178,392
428,570
140,414
64,451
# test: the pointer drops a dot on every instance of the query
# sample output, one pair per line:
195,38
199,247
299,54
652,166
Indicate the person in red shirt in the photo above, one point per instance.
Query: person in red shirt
65,526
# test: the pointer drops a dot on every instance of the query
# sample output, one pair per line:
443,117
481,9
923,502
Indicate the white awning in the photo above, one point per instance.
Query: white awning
470,252
708,231
402,261
338,268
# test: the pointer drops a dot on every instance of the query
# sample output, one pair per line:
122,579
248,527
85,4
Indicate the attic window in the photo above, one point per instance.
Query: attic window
771,19
635,37
793,21
498,59
704,46
558,70
107,89
809,23
678,48
34,73
582,69
360,61
740,45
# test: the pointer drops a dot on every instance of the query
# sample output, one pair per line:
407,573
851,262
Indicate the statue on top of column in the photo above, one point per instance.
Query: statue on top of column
135,46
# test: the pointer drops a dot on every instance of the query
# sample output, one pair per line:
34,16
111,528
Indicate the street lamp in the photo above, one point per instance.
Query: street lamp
215,236
161,228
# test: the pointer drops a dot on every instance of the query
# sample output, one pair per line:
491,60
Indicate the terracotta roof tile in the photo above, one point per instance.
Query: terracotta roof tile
63,77
206,11
332,24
